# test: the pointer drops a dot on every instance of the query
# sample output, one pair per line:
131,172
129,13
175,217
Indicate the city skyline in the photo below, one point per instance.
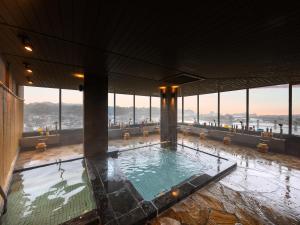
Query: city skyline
232,102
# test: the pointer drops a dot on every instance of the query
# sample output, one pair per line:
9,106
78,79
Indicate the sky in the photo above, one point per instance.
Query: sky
263,101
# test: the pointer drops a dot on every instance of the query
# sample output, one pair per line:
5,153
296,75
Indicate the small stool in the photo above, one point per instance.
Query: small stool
202,136
145,133
126,136
263,145
41,146
227,140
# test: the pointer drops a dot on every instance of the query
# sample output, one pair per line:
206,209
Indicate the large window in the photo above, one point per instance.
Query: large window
142,109
208,109
110,109
233,108
179,109
124,109
190,109
41,108
155,109
296,110
71,109
268,107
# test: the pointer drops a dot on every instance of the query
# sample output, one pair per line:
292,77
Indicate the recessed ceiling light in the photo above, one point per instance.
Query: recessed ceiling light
27,67
28,48
79,75
26,43
29,81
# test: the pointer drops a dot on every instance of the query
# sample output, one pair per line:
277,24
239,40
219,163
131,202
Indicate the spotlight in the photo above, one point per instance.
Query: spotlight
27,67
79,75
29,81
26,43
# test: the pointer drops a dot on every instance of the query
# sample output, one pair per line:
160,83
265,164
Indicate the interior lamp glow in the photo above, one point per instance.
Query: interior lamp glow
28,48
79,75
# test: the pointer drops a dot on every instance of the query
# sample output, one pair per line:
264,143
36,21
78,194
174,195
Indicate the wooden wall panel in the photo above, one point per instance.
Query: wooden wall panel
11,123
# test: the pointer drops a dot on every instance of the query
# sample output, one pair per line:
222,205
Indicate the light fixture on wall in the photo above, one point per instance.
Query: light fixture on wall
27,67
163,91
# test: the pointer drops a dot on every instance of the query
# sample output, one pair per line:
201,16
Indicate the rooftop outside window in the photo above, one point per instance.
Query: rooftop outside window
208,109
124,109
71,109
233,108
41,108
190,109
268,107
155,109
296,110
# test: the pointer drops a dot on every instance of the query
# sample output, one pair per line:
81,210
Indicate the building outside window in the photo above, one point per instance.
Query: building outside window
155,109
41,109
142,109
296,110
110,109
190,109
71,109
179,109
124,109
208,109
233,108
268,107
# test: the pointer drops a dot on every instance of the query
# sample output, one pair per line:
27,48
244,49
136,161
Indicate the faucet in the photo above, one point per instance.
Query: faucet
3,195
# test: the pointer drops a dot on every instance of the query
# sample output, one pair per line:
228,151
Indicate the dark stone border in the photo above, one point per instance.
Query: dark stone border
118,202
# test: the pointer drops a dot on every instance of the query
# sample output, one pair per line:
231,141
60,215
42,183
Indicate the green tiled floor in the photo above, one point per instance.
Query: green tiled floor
49,195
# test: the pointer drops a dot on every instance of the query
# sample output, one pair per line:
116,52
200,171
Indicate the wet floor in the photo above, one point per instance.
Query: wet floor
49,195
264,189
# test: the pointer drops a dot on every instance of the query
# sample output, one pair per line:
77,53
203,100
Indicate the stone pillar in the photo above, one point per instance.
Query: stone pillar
168,114
95,113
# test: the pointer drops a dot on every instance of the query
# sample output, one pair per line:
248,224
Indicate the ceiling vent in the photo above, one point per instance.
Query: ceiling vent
182,78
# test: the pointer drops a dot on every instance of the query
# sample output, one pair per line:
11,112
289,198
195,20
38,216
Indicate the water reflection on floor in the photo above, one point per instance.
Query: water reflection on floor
264,189
49,195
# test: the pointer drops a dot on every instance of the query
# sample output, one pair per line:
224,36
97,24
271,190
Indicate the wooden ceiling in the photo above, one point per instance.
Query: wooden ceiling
231,44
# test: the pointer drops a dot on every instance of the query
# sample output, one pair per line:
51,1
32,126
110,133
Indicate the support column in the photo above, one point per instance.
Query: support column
95,114
168,114
133,109
218,108
247,109
197,109
59,110
114,107
290,108
150,106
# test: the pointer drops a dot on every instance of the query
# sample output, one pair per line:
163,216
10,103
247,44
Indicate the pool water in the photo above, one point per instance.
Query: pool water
49,195
154,170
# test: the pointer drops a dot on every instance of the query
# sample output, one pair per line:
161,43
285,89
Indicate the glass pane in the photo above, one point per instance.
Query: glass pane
124,109
268,107
179,109
142,109
155,109
110,109
190,109
233,108
71,109
208,109
41,109
296,109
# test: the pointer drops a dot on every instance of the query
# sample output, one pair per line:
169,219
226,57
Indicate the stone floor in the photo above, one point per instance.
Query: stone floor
264,189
